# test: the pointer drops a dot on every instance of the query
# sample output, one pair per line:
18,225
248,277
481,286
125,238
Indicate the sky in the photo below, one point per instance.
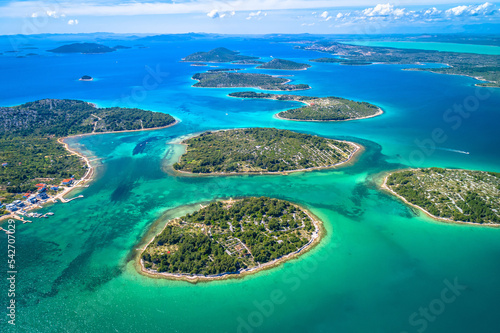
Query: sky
248,16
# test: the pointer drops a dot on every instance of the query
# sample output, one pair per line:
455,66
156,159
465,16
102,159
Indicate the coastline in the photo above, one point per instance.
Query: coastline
385,187
358,149
255,87
379,112
87,177
318,234
90,169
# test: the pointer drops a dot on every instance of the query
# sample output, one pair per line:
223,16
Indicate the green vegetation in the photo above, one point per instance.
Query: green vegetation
341,61
220,54
483,66
83,48
284,65
227,237
318,108
459,195
258,150
248,62
233,80
29,133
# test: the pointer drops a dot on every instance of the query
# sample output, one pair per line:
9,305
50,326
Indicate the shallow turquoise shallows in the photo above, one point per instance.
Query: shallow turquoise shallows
381,267
432,46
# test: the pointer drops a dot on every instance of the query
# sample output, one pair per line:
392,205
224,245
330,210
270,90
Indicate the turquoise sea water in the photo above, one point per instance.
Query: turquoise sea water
433,46
379,264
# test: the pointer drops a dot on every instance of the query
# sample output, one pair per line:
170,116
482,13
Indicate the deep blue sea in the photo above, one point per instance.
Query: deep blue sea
381,263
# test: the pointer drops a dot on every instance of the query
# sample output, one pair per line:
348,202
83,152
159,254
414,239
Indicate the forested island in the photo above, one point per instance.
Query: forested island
261,150
228,238
246,80
283,64
29,133
480,66
85,48
318,108
450,194
220,54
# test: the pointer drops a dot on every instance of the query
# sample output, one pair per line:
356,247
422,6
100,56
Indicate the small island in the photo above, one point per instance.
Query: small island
37,166
84,48
260,151
220,54
247,62
86,78
230,239
282,64
318,108
342,61
245,80
452,195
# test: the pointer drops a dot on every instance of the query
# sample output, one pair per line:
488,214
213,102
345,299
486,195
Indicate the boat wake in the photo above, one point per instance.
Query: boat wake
455,151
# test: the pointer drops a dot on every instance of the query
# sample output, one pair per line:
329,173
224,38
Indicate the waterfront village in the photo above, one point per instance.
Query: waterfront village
32,200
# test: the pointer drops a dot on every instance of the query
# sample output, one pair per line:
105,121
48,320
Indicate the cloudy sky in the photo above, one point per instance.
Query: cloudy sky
247,16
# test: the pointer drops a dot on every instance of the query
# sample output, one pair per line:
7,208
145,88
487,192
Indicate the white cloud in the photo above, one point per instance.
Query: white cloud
383,10
256,15
432,11
34,15
324,14
214,13
458,10
308,24
73,22
339,15
471,10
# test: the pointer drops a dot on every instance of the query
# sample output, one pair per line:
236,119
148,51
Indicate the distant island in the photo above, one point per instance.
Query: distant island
318,108
247,80
450,194
342,61
33,155
86,78
261,150
283,64
482,67
230,239
85,48
220,54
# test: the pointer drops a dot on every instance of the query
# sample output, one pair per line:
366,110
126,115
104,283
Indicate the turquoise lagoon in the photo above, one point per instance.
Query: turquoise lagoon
432,46
379,264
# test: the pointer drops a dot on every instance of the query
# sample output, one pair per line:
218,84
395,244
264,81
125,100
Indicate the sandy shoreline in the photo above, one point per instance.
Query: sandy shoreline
379,112
87,177
443,219
358,149
315,240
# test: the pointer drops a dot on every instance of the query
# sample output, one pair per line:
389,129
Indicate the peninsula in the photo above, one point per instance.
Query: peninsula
450,194
245,80
33,157
483,67
261,150
230,239
220,54
342,61
318,108
283,64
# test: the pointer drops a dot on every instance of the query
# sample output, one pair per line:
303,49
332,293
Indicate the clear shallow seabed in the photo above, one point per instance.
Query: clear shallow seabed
379,262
